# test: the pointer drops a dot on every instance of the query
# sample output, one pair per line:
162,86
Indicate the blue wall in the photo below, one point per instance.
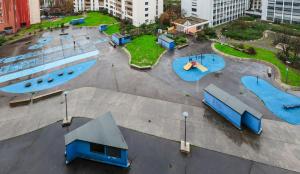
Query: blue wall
167,45
81,149
246,119
102,27
77,21
122,40
223,109
252,122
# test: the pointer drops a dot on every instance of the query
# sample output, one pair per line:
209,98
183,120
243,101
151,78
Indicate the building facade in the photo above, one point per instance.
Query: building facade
215,11
14,14
282,11
34,11
136,11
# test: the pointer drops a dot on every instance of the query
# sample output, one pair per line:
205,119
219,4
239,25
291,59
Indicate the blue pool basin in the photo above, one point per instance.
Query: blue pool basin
212,61
50,80
274,99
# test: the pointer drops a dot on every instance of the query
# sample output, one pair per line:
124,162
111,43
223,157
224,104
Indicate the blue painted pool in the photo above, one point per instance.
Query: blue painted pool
32,62
274,99
58,77
212,61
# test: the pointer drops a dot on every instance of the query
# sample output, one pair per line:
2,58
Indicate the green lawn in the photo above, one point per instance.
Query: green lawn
96,18
268,56
115,28
144,50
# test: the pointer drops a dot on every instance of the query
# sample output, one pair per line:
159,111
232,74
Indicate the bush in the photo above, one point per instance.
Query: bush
251,51
2,40
210,32
180,40
201,36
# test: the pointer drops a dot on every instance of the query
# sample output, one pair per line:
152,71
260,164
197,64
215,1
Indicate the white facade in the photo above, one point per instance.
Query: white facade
136,11
35,12
283,11
215,11
87,5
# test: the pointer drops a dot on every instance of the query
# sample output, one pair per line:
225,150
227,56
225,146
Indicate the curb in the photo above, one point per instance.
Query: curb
143,67
277,71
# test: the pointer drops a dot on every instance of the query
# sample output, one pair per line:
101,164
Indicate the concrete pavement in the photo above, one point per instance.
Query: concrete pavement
279,144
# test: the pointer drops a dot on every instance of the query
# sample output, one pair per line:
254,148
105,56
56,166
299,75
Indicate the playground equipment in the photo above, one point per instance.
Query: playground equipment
194,64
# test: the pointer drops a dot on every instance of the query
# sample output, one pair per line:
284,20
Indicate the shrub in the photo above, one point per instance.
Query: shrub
201,36
251,51
2,40
210,32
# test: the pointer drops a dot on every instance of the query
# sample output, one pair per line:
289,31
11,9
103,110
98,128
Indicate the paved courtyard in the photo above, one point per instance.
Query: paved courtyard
152,101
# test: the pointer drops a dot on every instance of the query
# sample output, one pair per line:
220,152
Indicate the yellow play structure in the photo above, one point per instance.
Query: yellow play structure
195,64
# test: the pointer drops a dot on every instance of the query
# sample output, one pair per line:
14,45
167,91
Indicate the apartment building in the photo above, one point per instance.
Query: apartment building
255,5
215,11
283,11
17,14
88,5
136,11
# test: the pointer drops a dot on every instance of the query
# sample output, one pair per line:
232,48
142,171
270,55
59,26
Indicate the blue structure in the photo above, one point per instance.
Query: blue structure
119,39
232,109
166,42
103,27
77,21
213,63
98,140
283,105
40,83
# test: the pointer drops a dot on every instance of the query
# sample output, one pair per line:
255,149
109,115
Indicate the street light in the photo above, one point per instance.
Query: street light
67,120
185,116
287,71
184,145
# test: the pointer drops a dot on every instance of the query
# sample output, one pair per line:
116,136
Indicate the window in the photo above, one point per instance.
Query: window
97,148
146,15
146,9
113,152
146,3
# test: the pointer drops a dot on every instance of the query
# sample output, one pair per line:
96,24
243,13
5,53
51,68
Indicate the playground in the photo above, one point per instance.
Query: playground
98,79
284,105
193,68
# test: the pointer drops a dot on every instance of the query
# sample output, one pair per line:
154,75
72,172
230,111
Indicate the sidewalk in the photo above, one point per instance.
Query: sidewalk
279,144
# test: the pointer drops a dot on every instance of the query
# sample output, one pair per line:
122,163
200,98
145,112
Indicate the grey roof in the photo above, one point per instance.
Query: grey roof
165,38
231,101
102,130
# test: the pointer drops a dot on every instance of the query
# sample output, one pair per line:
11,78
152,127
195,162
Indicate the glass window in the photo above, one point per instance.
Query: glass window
113,152
97,148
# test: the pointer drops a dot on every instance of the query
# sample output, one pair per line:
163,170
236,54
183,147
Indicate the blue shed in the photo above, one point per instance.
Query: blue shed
77,21
120,39
99,140
166,42
103,27
232,109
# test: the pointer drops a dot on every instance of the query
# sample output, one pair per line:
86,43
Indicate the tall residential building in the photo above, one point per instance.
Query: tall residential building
15,14
255,5
284,11
88,5
136,11
215,11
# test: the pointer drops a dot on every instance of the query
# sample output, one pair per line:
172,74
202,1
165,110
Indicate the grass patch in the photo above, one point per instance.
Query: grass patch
96,18
268,56
144,50
113,29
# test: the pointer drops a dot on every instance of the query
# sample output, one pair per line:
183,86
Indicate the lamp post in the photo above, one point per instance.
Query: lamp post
184,145
185,115
67,120
287,71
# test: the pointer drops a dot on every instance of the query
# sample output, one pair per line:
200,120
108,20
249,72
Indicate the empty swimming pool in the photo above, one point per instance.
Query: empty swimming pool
283,105
50,80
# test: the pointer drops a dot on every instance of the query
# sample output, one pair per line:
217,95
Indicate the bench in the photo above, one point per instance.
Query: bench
286,107
46,95
113,44
20,101
182,46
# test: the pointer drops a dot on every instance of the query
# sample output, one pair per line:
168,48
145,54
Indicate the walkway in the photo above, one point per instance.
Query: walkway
279,144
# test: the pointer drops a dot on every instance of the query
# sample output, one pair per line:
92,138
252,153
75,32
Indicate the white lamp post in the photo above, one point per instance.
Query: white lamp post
184,145
67,120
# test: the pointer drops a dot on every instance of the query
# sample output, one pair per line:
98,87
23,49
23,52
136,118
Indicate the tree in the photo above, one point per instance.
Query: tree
283,40
165,19
295,46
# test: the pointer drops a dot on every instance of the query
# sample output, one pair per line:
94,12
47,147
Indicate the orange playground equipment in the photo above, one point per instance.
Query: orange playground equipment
194,64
